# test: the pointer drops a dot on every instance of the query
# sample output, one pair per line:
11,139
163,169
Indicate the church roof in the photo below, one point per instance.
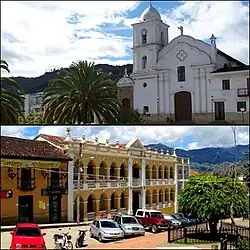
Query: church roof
232,69
150,14
230,58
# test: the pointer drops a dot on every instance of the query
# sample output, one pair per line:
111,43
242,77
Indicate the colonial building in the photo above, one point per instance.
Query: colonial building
33,182
119,177
181,80
33,102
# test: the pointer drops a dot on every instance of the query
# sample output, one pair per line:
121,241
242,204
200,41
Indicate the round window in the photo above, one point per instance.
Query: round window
145,85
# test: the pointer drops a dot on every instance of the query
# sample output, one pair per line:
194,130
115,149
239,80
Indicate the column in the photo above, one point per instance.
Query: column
118,204
97,172
97,208
130,172
143,169
176,189
107,205
150,173
151,198
107,169
117,173
162,172
70,197
130,202
85,211
143,192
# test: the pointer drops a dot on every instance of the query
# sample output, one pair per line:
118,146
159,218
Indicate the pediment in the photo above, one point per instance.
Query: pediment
135,144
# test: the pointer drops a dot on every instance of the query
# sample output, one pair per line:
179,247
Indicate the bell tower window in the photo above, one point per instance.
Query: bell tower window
143,36
144,62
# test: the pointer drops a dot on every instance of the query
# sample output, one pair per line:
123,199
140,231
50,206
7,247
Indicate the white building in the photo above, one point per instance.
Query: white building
33,102
173,78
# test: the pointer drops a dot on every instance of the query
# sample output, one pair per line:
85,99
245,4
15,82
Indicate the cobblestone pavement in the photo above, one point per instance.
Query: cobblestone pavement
6,238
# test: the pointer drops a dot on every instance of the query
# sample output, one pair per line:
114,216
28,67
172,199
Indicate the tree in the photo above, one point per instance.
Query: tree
130,116
12,99
32,118
84,92
211,197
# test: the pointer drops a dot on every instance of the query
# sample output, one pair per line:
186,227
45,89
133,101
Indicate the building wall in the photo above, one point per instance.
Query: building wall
9,206
33,102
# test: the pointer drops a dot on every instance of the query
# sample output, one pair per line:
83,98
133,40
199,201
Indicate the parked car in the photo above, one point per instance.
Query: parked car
175,222
152,219
129,225
27,235
180,217
105,229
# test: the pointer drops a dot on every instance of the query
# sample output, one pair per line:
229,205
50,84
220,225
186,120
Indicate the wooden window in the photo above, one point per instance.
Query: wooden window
241,105
181,73
26,178
226,84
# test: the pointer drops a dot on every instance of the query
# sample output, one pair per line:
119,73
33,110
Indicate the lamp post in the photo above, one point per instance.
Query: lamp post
242,113
212,107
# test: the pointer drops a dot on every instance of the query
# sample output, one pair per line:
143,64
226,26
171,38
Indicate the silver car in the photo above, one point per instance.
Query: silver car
105,229
175,222
129,225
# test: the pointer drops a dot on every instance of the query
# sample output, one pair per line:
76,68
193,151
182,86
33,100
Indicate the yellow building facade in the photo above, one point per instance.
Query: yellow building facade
33,185
111,178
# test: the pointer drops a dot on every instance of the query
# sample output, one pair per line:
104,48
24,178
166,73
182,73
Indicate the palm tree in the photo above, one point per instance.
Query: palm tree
81,94
11,98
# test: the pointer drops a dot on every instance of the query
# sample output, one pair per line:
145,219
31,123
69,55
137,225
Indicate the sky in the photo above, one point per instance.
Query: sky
37,36
185,137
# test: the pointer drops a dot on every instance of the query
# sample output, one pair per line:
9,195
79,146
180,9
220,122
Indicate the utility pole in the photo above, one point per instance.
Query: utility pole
79,184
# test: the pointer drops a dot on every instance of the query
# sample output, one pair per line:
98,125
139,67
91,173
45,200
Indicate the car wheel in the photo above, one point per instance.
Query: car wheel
76,245
154,229
100,238
91,234
70,245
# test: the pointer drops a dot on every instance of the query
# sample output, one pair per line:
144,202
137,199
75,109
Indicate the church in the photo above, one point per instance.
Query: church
184,80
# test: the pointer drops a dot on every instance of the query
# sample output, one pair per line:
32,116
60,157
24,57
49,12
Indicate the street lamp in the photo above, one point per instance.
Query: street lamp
242,113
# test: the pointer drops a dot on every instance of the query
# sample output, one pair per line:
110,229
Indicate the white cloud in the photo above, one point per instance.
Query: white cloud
38,37
202,136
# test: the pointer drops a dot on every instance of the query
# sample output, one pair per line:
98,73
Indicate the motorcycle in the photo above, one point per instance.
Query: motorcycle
80,239
63,241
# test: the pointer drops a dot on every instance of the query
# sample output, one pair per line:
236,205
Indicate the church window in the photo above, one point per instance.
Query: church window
143,36
226,84
181,73
162,38
145,85
144,62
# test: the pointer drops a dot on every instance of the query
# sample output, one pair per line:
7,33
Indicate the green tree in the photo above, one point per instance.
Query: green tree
12,99
213,198
130,116
83,92
32,118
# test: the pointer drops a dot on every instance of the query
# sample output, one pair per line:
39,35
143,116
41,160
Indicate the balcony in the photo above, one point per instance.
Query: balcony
113,212
91,183
114,183
123,210
91,216
27,185
243,92
137,182
75,184
103,183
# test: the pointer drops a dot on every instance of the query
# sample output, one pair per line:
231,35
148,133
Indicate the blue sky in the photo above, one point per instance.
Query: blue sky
186,137
55,33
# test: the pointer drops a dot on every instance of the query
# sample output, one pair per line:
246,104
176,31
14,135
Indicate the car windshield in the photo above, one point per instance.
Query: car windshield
129,220
108,224
176,216
157,214
28,232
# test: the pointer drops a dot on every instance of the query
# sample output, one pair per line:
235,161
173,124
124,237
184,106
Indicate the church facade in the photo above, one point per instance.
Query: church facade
180,80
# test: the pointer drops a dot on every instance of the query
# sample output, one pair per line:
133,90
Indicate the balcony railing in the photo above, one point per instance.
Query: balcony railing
113,212
91,183
243,92
103,183
113,183
137,182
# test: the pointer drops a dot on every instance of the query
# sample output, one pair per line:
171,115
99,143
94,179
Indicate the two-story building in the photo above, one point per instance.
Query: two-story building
33,182
119,177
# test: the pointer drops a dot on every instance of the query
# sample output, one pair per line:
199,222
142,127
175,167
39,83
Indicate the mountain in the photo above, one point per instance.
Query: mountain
40,83
206,159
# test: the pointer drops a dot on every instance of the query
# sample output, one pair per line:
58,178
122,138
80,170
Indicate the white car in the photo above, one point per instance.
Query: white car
175,222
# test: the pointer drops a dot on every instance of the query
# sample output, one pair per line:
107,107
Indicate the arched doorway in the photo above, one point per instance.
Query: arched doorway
148,198
183,106
90,204
122,172
155,196
90,170
125,103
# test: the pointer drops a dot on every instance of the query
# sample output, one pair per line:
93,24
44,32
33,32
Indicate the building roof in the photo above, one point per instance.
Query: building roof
230,58
232,69
60,140
12,147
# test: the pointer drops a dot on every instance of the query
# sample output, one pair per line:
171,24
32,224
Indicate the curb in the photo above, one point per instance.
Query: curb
46,226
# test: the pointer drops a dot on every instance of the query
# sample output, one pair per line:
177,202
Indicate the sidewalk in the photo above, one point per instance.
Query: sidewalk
45,226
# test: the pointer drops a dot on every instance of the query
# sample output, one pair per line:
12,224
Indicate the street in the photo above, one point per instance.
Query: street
6,238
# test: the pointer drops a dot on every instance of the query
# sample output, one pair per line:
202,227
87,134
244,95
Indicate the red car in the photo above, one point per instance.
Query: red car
27,236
